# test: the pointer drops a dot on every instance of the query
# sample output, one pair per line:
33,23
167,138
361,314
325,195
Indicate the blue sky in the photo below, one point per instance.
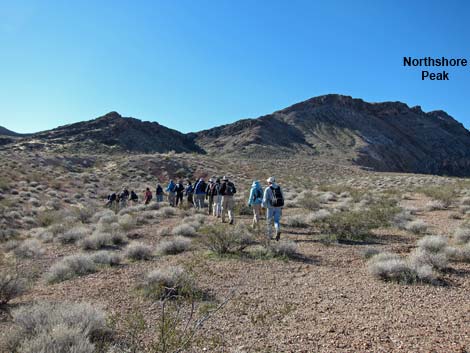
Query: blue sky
192,65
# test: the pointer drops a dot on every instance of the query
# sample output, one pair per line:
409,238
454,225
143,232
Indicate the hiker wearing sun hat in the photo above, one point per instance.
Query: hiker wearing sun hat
227,190
273,201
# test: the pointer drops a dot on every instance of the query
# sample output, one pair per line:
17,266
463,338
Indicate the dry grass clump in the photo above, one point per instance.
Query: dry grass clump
286,249
105,257
222,239
170,282
173,246
446,194
70,267
391,267
318,216
308,200
127,222
138,251
433,243
167,211
57,328
327,197
421,257
11,284
462,235
436,205
297,221
105,216
29,248
184,230
73,235
96,241
417,226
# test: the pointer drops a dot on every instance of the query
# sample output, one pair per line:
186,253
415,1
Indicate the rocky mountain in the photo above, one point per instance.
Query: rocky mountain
387,136
5,132
112,133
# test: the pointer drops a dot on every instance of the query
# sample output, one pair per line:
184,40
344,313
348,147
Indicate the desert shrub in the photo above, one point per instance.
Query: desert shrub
318,216
138,251
127,222
297,221
73,235
106,258
356,225
29,248
60,327
45,236
184,230
391,267
47,218
96,241
327,197
118,238
222,239
70,267
369,252
417,226
433,243
459,253
420,257
164,231
462,235
107,215
84,214
11,284
287,249
401,219
446,194
167,211
435,205
170,282
242,209
173,246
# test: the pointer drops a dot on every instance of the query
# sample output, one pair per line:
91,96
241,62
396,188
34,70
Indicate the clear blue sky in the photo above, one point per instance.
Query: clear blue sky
191,65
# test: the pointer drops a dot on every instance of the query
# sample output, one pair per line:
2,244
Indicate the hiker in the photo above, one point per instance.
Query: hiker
217,207
147,196
112,199
134,198
273,201
123,197
254,201
200,193
189,193
210,192
159,193
171,189
179,189
227,190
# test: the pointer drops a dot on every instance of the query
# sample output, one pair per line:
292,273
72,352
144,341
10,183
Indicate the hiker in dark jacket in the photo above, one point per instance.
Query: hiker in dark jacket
189,193
112,199
211,192
134,198
227,190
179,189
159,193
200,193
171,190
123,197
217,207
273,201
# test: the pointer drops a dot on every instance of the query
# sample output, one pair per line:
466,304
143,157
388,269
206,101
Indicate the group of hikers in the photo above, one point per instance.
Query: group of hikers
219,194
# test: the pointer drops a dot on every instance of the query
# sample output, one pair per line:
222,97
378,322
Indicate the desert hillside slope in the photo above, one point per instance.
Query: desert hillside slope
387,136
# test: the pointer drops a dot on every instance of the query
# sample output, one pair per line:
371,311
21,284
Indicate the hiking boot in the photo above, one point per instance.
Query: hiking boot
231,221
278,236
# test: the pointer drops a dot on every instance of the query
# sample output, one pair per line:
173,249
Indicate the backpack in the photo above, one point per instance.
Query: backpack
278,199
230,189
258,194
159,190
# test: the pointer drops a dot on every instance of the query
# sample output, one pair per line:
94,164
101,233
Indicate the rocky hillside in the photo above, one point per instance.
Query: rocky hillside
387,136
5,132
111,133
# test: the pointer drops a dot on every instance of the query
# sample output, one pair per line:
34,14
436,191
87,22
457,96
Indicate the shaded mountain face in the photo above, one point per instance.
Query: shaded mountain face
112,132
386,136
5,132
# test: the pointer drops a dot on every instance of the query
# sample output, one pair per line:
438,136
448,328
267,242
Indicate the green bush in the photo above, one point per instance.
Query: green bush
222,239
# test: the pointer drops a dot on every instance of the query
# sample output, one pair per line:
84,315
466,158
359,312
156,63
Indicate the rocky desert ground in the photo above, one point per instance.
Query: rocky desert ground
367,261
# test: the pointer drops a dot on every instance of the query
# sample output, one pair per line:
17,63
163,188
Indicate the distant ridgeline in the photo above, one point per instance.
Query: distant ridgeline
434,62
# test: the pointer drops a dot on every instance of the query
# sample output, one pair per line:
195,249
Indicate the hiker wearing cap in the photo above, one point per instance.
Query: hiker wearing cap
159,193
171,189
179,193
200,194
227,190
254,201
189,193
273,201
217,207
134,198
